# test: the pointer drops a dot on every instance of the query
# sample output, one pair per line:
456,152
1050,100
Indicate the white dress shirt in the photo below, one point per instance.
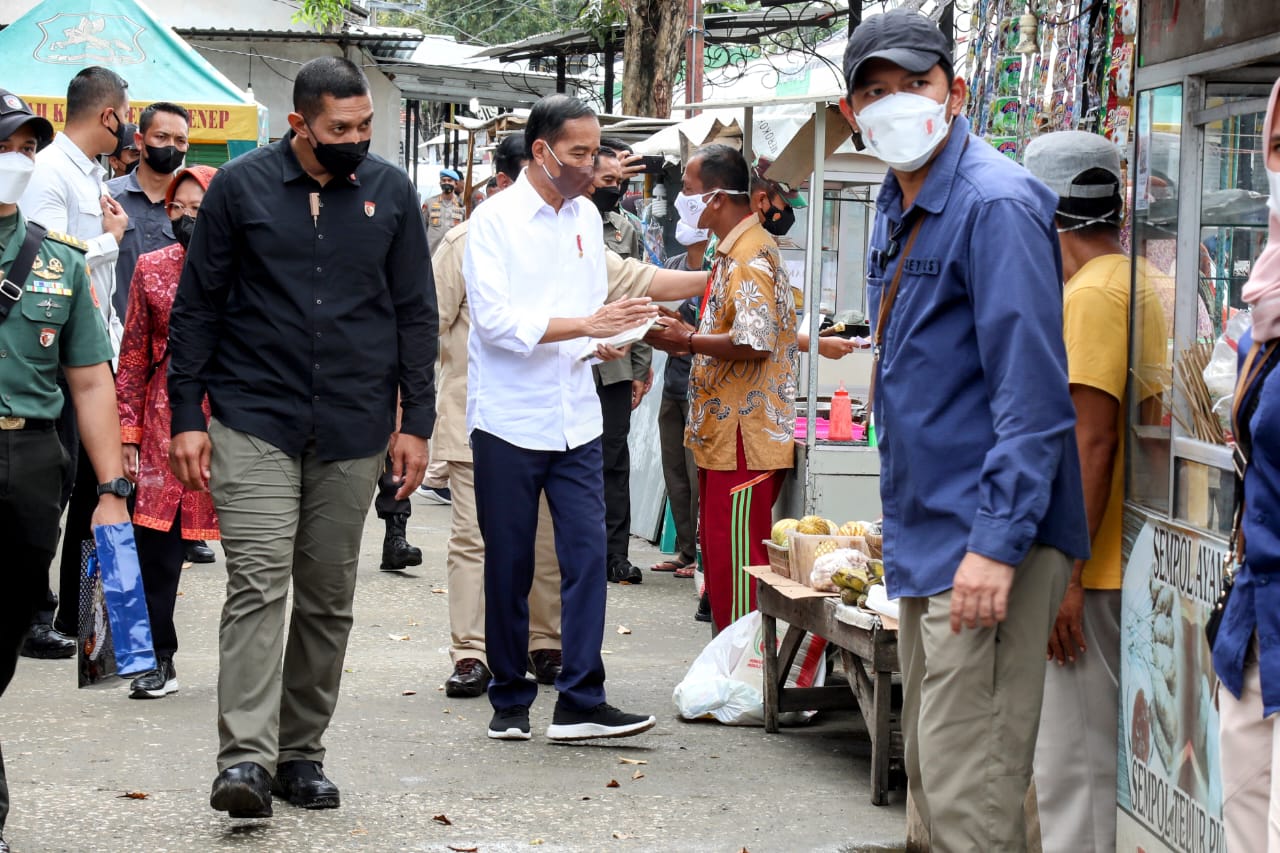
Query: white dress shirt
65,195
524,264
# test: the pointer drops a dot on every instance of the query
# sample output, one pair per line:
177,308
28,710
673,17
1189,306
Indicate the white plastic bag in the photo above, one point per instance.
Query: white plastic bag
726,680
1220,372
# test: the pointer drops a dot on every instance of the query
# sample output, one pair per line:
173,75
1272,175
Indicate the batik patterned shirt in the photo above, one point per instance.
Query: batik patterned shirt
750,299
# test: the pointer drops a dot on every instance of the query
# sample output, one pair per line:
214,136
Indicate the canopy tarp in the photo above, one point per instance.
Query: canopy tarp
50,44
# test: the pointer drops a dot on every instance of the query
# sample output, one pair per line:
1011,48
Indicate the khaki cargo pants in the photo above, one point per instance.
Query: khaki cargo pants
283,520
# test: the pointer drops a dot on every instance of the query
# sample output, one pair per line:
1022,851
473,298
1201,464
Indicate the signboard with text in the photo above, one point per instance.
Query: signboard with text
1169,790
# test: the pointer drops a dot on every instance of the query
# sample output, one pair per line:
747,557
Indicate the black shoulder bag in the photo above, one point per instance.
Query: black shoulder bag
1257,366
11,285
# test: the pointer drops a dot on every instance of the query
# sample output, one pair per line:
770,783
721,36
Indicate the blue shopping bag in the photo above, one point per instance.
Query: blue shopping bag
126,602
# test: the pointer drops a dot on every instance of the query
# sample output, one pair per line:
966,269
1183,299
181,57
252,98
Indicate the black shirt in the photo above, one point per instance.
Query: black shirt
299,329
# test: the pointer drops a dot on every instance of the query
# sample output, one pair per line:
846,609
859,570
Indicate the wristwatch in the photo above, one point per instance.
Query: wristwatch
120,487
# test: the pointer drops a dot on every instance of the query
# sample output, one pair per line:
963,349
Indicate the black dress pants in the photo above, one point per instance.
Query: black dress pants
160,556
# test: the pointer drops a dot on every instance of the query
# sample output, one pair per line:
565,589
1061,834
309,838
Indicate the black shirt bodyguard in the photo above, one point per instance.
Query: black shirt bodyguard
299,326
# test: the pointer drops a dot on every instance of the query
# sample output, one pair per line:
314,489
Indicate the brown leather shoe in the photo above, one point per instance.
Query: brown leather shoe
470,679
545,665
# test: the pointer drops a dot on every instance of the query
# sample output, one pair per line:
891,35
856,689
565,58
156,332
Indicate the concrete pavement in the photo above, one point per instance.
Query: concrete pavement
415,768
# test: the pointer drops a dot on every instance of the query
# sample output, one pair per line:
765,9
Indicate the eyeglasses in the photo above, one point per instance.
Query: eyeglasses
177,208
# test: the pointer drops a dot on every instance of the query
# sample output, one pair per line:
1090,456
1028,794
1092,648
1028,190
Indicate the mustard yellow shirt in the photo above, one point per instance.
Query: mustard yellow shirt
1095,314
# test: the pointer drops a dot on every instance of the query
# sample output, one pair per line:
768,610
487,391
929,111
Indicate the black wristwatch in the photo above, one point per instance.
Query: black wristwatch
120,487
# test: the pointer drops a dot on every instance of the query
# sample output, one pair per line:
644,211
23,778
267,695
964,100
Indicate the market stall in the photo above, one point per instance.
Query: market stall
1198,223
63,37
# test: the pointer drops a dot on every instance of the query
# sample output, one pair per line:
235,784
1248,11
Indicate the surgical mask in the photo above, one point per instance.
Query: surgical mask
165,160
340,159
183,228
606,199
779,221
691,207
15,174
687,236
903,129
1273,202
572,180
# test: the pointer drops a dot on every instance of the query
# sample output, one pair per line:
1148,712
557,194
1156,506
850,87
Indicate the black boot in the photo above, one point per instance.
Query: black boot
397,553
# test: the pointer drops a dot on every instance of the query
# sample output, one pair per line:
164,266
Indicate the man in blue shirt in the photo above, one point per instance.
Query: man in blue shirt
980,476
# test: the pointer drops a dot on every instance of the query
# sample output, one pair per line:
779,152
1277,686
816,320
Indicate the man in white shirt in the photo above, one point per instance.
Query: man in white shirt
67,195
536,285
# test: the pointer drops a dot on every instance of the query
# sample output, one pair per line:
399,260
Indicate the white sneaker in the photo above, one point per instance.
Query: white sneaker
441,495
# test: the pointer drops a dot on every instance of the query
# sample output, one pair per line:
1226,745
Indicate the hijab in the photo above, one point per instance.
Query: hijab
1262,291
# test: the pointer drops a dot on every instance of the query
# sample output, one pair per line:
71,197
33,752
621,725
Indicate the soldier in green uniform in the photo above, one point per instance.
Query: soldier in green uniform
48,320
445,210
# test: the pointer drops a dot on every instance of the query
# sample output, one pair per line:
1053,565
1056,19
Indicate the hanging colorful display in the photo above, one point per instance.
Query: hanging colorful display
1043,66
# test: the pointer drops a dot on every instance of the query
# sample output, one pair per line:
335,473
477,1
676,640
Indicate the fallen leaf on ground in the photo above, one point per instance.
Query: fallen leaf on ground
623,629
744,850
637,775
622,836
409,693
132,795
631,761
535,842
398,636
439,591
464,849
443,820
613,783
359,830
606,651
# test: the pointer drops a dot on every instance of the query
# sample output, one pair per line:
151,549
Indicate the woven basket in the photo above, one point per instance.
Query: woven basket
875,545
779,558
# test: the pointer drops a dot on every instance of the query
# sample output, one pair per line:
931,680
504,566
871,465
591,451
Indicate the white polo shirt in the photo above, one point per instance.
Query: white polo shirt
524,264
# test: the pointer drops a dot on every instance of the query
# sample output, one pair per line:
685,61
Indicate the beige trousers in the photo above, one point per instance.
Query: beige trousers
971,709
1075,766
1250,761
283,520
465,567
437,476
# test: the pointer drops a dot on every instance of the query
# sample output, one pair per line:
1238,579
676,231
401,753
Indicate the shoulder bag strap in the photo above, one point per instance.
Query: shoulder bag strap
886,307
11,286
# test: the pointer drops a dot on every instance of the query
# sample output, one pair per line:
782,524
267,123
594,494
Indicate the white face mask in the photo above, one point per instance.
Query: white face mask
691,207
904,129
15,174
687,236
1273,180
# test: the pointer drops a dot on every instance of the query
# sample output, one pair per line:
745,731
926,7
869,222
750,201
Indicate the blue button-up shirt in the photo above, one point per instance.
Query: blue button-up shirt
973,412
148,229
1254,604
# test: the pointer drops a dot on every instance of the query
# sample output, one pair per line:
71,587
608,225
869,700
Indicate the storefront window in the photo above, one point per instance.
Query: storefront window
1155,231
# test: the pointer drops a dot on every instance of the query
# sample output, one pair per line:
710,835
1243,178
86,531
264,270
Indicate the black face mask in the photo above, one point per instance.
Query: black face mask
606,199
340,159
446,189
166,160
778,222
183,229
124,139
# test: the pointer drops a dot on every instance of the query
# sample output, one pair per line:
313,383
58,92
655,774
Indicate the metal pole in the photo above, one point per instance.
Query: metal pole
560,73
855,15
813,271
694,57
947,23
609,57
417,138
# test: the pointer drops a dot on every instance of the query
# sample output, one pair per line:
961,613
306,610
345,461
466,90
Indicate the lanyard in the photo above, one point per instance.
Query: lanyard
886,305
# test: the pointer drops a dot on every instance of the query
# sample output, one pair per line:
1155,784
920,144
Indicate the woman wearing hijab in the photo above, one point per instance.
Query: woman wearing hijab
1249,669
166,513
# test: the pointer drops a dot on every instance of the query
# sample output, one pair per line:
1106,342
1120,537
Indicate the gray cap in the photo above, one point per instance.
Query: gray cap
1059,159
902,36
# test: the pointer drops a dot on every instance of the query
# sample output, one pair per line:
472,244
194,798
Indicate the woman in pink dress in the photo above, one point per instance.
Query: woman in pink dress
165,513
